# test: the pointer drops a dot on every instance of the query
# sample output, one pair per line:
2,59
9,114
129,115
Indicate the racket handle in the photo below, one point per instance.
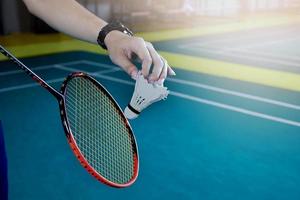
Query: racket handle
28,71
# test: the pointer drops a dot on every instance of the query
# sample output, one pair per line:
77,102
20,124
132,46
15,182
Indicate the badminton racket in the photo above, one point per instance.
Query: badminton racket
96,129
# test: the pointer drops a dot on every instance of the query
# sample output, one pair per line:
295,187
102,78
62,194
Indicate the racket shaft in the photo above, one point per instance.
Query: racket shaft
28,71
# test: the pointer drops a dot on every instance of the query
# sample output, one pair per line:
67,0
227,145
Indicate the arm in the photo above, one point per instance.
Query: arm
71,18
67,16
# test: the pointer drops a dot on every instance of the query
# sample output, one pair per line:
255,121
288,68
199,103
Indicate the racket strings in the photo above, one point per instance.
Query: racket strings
99,131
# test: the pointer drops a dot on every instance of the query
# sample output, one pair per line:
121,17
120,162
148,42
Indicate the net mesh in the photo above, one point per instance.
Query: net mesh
99,131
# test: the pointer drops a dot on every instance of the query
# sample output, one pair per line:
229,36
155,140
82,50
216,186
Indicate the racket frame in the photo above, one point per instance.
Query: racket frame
72,140
60,96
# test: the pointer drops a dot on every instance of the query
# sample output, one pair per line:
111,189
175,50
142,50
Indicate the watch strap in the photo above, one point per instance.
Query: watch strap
113,26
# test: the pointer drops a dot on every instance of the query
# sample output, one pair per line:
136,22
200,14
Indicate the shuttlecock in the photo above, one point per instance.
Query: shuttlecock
144,95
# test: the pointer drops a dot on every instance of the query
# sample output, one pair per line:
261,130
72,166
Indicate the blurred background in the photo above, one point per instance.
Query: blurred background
144,15
231,123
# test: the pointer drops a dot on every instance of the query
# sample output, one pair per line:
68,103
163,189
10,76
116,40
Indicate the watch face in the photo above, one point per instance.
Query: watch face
120,27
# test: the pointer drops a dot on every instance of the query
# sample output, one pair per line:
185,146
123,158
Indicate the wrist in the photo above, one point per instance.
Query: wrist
112,36
111,31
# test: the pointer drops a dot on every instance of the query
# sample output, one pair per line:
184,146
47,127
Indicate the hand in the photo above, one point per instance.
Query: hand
122,47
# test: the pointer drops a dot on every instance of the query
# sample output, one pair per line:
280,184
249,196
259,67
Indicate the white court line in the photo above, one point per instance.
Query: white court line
8,89
235,39
234,54
279,58
234,93
265,43
181,95
237,109
209,102
21,71
109,66
230,92
112,68
256,53
99,74
43,67
246,46
199,46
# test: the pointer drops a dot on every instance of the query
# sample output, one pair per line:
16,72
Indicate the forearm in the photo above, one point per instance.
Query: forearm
67,16
70,17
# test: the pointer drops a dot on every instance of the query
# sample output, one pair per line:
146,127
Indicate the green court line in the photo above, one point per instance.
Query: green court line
252,74
239,25
269,77
274,78
30,50
61,43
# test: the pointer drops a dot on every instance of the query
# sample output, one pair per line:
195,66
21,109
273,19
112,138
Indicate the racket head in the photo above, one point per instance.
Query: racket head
103,143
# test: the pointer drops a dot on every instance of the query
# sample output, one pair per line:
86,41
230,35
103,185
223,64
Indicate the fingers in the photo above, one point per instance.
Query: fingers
142,52
171,71
164,72
161,67
158,63
128,66
135,48
167,70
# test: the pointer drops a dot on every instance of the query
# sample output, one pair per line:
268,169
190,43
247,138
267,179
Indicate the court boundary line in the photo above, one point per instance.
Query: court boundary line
112,68
109,70
286,57
229,70
248,73
235,93
243,37
199,45
43,67
221,28
206,101
100,74
272,42
8,89
237,109
223,90
231,52
40,67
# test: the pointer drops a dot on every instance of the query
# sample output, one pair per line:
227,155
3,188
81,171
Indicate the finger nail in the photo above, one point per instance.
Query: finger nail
134,74
151,79
172,73
161,81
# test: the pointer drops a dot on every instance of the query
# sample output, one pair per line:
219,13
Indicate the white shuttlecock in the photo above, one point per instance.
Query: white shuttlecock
144,95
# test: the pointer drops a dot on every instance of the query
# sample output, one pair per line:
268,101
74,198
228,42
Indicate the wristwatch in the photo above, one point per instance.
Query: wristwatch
112,26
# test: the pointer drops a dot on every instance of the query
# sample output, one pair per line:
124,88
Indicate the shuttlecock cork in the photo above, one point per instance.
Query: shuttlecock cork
144,95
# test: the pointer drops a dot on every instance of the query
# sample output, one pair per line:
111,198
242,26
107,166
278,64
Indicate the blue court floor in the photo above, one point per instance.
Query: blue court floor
213,138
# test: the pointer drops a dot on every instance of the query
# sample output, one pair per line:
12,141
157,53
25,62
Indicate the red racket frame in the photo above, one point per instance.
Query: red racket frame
60,96
72,141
